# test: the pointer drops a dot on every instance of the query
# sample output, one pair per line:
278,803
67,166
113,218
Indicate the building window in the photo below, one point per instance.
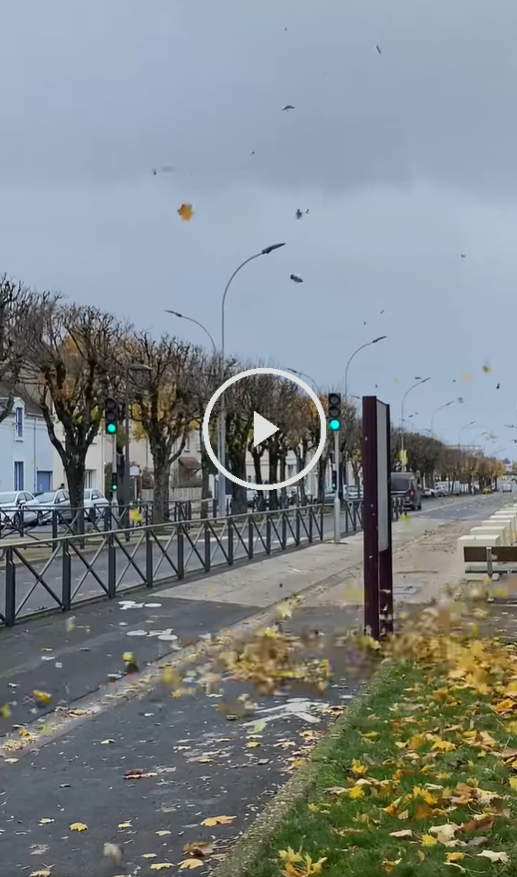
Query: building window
18,422
18,475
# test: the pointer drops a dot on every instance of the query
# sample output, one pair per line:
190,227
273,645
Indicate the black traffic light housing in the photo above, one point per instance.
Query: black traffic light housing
114,482
334,411
111,412
334,479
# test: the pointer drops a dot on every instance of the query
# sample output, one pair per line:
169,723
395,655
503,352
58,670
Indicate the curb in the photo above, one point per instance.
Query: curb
258,835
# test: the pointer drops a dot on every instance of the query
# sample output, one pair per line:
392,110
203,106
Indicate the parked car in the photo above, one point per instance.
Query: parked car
428,492
52,500
507,487
405,486
12,503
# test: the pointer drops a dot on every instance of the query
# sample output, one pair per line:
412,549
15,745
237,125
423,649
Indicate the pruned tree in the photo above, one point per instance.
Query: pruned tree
72,363
163,405
21,324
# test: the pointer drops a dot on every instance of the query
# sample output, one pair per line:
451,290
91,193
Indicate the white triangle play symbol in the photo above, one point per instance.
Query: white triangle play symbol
262,429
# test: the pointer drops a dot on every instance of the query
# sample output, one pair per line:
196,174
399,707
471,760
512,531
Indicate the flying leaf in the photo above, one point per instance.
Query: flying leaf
78,826
185,211
5,710
190,863
218,820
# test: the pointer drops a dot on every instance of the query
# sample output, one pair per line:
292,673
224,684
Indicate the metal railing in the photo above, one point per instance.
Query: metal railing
60,572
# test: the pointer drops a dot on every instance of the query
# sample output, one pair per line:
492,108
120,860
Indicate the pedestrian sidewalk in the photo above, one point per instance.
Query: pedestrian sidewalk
166,765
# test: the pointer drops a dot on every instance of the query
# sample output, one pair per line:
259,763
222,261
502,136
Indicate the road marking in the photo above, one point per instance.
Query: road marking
295,706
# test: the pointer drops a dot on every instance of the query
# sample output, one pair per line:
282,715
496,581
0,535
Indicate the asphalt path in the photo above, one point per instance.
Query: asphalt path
40,588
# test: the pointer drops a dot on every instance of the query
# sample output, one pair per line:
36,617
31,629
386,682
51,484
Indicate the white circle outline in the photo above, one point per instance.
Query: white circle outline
282,374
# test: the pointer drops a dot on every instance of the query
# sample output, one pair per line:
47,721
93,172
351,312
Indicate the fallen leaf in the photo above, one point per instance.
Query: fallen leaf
45,873
78,826
163,833
10,760
138,773
199,848
428,840
454,857
149,855
218,820
5,710
190,863
46,821
252,744
105,742
494,857
513,783
444,833
161,866
404,832
128,825
42,697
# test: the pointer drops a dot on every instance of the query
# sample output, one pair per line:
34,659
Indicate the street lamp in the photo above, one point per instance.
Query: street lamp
305,375
466,426
368,344
419,382
130,369
192,320
222,410
440,408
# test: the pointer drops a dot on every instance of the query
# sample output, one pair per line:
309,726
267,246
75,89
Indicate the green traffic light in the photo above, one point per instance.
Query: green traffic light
334,424
111,428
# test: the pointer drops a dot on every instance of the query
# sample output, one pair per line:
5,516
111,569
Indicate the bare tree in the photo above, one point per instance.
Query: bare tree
21,322
165,404
72,363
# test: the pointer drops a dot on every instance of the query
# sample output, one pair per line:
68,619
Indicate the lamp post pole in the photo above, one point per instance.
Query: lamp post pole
368,344
222,410
130,369
440,408
413,386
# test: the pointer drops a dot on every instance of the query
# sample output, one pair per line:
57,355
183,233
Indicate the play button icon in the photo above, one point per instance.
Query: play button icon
262,429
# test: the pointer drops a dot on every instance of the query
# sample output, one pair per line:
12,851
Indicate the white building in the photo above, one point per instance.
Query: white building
26,454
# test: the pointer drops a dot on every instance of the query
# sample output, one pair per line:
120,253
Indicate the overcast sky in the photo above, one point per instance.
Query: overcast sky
405,160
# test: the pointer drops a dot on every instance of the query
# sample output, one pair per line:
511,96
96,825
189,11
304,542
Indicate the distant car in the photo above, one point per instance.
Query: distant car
94,502
52,500
507,487
12,504
428,492
404,485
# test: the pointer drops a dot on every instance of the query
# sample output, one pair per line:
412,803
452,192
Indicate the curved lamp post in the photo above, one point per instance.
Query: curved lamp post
368,344
419,382
222,411
192,320
440,408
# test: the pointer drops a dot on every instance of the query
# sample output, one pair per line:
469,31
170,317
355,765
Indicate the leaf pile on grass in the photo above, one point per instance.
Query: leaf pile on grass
422,778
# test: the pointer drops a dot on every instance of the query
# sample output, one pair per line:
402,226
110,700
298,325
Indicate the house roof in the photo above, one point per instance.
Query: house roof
190,462
31,407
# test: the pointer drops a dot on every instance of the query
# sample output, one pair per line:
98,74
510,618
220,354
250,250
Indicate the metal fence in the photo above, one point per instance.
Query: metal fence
58,573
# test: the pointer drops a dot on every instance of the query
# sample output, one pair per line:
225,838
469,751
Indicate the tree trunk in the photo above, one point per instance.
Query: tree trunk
162,474
74,465
273,469
205,477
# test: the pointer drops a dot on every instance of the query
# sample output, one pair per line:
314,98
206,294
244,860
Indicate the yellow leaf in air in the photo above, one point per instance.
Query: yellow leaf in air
42,696
46,821
5,710
78,826
284,610
190,863
428,840
495,857
163,833
185,211
218,820
486,368
454,857
258,727
128,656
252,744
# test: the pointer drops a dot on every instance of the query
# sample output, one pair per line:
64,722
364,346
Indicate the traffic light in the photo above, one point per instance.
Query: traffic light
114,482
111,416
334,411
334,479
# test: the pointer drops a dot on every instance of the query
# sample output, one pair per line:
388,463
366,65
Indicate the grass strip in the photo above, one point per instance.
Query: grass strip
423,779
